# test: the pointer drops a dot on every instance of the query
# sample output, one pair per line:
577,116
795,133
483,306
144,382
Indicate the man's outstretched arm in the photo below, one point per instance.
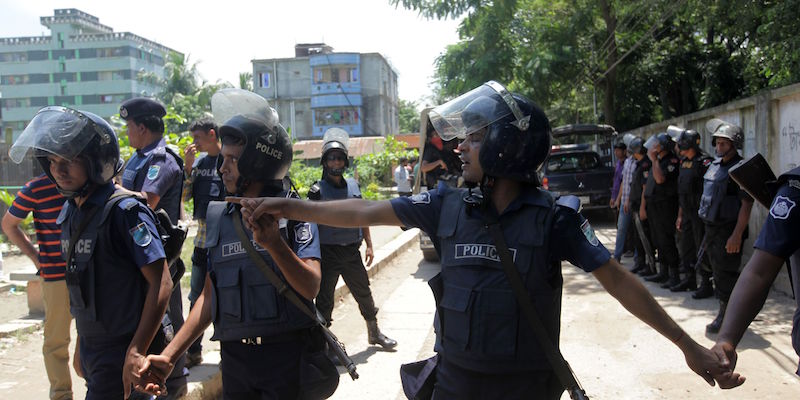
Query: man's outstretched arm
350,213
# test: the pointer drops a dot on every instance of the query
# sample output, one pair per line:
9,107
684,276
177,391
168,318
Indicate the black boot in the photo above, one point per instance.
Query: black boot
706,288
638,268
714,326
374,336
674,278
689,282
661,277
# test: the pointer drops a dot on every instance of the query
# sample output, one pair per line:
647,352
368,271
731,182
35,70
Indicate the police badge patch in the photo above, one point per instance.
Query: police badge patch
587,230
152,173
302,233
421,198
141,235
781,207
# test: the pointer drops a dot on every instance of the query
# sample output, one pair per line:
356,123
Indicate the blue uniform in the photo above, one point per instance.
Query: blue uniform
780,236
106,287
156,169
262,334
482,338
206,185
153,169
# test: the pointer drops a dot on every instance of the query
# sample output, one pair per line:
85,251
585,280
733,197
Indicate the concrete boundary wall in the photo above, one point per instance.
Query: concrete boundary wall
771,123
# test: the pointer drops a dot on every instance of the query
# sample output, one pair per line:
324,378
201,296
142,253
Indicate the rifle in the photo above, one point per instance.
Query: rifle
651,258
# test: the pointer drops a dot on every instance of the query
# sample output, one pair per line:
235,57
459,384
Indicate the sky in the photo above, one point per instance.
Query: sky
225,37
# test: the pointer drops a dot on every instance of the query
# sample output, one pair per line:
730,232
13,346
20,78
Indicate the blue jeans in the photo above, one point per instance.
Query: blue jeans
623,224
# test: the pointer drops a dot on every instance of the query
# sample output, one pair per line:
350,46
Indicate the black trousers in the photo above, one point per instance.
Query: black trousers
344,261
724,265
690,240
662,216
454,382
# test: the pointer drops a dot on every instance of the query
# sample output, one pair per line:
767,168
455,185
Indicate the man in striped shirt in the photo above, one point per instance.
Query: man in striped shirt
42,198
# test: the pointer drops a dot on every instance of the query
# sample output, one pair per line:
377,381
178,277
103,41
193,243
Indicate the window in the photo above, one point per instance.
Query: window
106,99
263,78
572,162
105,75
14,79
14,57
16,103
335,74
336,116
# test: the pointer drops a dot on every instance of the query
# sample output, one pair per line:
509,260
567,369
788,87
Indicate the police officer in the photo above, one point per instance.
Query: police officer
694,163
117,277
725,210
262,335
661,206
156,171
778,241
486,347
340,246
203,184
640,174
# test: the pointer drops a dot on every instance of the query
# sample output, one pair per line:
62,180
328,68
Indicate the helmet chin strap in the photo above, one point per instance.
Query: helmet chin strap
71,194
333,171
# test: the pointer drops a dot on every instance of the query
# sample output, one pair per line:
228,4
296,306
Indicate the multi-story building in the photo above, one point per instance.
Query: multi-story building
319,89
82,63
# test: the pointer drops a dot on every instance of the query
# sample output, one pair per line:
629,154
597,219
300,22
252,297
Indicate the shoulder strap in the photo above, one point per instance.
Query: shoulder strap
554,356
75,234
283,289
175,155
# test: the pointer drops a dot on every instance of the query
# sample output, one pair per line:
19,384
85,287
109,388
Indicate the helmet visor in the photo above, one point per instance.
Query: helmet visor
675,132
651,141
56,130
226,103
336,135
476,110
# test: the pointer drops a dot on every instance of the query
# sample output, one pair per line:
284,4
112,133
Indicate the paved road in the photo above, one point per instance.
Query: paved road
615,355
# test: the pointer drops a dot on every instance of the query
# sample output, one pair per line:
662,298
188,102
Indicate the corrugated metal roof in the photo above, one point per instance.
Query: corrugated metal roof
312,149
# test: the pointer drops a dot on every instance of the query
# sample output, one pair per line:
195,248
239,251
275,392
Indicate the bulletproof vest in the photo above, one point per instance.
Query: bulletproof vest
329,235
690,181
244,302
719,203
106,289
640,175
664,191
206,185
135,173
481,324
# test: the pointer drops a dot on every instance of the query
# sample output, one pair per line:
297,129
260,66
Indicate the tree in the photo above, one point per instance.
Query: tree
643,60
409,116
246,81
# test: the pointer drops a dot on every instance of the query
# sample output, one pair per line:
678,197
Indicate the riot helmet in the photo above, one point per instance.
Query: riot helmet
335,139
627,138
637,145
663,139
517,137
719,128
229,102
267,152
685,138
71,134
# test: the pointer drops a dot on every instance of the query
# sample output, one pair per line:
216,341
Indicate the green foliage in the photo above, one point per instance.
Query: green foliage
27,224
246,80
304,175
376,167
408,116
644,60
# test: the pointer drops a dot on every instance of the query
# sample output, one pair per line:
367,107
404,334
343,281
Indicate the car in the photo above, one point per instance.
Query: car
583,166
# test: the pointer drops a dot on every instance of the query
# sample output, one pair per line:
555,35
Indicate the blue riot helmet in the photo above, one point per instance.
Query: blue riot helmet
335,139
267,152
685,138
517,138
719,128
71,134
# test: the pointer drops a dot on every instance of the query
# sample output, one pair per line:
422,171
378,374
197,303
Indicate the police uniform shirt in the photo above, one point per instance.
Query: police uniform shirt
690,179
129,232
780,236
155,174
206,184
670,167
571,237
